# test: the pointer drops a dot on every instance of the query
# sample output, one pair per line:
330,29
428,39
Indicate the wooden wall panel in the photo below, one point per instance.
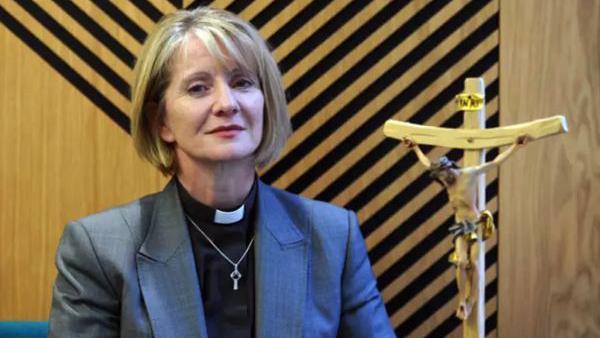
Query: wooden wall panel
347,67
61,159
550,192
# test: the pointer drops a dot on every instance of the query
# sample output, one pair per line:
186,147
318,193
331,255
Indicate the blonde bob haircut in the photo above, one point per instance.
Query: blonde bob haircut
227,38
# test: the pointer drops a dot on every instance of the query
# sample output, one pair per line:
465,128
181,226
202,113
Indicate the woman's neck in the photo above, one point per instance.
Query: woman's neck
218,185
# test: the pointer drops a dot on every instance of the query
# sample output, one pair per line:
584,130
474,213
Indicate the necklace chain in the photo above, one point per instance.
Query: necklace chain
235,275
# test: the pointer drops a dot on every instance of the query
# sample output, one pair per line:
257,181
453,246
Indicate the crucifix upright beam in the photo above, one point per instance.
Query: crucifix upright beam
475,119
466,186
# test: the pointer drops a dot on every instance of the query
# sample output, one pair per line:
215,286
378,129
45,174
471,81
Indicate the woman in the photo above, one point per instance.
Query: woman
217,253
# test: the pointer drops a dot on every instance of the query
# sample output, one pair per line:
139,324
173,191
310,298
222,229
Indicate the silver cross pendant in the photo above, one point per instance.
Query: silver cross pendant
235,275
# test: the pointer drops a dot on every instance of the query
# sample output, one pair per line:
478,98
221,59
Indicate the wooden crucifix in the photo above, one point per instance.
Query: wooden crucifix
466,186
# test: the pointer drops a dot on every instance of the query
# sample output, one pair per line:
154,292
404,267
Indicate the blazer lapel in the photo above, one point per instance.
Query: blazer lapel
281,262
167,273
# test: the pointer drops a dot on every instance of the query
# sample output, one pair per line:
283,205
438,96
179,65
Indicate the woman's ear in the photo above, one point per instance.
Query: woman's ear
160,122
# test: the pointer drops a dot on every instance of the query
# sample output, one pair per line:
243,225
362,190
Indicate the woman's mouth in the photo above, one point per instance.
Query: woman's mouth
227,131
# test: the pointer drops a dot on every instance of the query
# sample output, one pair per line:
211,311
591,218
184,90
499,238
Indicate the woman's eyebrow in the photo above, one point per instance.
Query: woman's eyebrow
236,71
197,75
241,72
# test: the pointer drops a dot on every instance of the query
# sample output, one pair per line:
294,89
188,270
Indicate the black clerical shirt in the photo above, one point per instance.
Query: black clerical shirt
228,312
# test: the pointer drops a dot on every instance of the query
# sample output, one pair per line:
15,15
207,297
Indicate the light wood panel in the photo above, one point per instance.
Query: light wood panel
60,159
550,191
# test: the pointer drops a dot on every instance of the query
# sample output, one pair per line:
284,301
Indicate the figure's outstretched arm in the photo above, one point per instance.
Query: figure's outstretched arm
414,146
520,141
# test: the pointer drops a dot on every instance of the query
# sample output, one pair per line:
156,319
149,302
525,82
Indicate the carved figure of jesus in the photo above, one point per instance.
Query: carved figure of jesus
470,222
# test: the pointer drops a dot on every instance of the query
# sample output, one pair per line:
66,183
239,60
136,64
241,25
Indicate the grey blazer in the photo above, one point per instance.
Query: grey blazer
130,272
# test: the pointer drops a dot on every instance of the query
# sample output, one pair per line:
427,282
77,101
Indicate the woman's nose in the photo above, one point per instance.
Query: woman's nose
225,102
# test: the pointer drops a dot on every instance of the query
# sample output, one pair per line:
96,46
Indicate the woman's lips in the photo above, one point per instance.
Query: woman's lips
228,131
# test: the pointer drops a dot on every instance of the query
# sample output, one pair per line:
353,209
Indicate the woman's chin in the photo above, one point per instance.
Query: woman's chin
230,157
218,154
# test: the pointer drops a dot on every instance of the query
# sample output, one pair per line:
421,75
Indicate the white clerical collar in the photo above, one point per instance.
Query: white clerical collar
229,217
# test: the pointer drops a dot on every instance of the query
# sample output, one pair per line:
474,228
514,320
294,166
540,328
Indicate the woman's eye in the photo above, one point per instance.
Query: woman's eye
243,83
197,89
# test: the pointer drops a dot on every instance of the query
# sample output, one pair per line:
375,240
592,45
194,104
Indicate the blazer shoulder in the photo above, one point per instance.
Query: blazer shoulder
308,203
133,217
323,217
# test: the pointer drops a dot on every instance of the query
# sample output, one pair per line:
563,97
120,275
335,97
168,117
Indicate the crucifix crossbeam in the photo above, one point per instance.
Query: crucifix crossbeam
475,138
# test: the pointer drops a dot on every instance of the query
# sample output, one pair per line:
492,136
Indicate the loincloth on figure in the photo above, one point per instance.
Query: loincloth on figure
468,231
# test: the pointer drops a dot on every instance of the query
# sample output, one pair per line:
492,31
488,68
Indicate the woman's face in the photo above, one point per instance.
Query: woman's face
213,113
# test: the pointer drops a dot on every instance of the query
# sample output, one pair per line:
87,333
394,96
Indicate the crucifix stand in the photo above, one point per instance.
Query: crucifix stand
466,186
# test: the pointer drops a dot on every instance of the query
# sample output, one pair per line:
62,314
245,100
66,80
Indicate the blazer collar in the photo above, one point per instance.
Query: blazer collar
167,272
167,228
281,263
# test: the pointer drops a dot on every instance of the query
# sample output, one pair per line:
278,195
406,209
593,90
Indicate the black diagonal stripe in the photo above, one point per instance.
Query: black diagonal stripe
363,65
491,290
121,19
65,70
177,3
491,91
434,303
420,117
491,154
198,3
269,12
77,47
491,322
148,9
238,6
491,190
97,31
493,121
290,27
369,93
379,118
317,37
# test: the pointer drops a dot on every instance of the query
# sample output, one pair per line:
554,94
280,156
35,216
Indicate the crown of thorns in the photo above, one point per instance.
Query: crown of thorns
443,163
